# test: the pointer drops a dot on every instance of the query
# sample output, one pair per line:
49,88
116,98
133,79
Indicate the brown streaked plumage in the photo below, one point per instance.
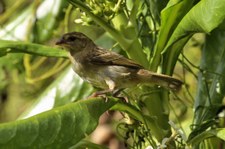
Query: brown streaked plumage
109,70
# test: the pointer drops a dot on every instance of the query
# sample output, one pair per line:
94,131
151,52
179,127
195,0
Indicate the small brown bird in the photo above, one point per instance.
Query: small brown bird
108,70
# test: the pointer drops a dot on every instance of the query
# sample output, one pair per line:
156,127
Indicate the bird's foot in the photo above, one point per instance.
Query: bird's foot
102,94
123,98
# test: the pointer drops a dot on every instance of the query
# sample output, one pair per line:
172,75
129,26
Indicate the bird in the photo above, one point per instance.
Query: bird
109,70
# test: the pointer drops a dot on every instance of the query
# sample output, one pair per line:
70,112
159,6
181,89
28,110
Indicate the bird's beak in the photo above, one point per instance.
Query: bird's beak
60,42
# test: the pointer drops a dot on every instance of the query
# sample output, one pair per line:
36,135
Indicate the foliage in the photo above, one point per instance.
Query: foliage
62,126
152,33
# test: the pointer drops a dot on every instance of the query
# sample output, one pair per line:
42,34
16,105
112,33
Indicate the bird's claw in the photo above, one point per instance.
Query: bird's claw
101,94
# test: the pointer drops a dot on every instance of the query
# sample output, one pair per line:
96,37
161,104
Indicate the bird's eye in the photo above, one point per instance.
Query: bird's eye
71,38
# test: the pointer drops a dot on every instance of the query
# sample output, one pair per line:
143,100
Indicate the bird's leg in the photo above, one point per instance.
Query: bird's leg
112,88
111,85
116,92
100,93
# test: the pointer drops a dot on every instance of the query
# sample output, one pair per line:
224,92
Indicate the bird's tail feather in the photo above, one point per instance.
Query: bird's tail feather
160,79
167,81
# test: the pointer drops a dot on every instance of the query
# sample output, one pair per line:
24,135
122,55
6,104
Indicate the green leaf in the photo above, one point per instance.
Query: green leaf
171,17
220,133
53,15
210,95
203,17
150,121
170,57
87,144
59,128
201,128
30,48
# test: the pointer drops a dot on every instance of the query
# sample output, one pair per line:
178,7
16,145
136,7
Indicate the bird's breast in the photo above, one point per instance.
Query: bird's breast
89,72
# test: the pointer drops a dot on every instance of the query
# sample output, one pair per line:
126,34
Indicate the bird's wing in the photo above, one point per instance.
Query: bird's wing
105,57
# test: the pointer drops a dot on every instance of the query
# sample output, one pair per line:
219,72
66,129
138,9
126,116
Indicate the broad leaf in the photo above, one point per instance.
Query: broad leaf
203,17
49,11
58,128
87,144
220,133
171,16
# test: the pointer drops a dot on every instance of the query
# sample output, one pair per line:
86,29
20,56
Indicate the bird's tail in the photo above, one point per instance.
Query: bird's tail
160,79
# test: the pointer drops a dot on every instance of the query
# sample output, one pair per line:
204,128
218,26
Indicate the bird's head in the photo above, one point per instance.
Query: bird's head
74,41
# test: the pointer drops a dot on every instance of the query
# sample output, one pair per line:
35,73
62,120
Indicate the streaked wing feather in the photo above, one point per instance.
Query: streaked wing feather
104,57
